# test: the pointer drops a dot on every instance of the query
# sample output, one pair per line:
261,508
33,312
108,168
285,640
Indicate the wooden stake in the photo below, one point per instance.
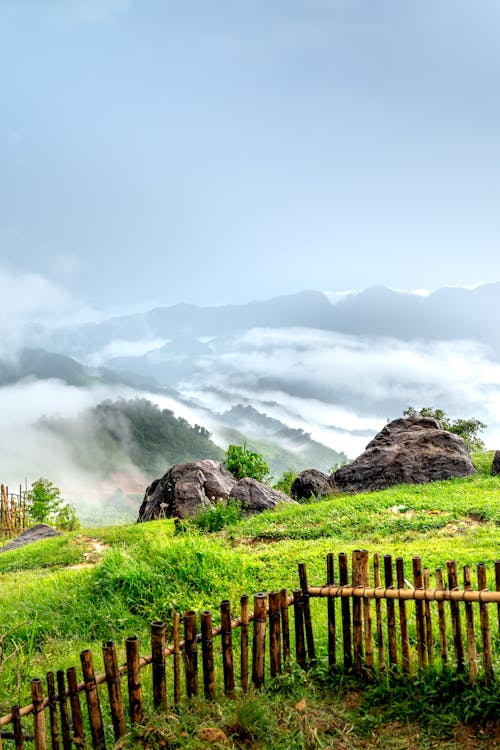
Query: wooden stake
113,681
177,658
244,628
227,647
485,626
391,613
134,680
497,587
311,652
285,627
298,611
275,633
17,727
428,621
367,611
93,705
346,611
378,615
403,622
455,616
330,579
38,715
357,618
63,710
52,698
158,644
259,639
190,653
76,710
207,655
419,613
469,627
443,638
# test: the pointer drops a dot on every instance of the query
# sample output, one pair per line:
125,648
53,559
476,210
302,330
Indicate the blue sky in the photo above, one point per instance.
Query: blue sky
211,152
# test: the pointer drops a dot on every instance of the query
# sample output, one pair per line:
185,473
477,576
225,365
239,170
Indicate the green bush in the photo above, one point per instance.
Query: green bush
284,483
47,506
223,513
242,463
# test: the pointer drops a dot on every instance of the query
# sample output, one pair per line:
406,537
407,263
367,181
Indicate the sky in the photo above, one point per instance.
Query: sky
211,152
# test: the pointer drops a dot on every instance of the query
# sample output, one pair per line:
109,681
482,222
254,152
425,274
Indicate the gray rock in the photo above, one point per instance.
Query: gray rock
495,467
412,450
185,488
34,534
309,483
256,497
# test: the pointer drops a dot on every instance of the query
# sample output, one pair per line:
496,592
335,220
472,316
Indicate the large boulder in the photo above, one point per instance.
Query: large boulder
310,483
412,450
256,497
185,488
495,467
29,536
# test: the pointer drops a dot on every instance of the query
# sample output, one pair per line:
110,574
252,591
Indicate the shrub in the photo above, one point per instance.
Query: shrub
284,483
47,506
242,463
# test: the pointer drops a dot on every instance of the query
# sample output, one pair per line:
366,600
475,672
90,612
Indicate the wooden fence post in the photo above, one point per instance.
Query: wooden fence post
443,638
63,710
207,655
158,642
485,626
346,611
275,633
190,653
330,579
51,695
419,613
259,639
403,622
497,587
469,628
245,620
227,647
311,652
93,706
38,715
455,616
378,614
298,611
134,680
76,710
177,657
17,727
391,612
367,610
357,618
285,627
114,685
428,621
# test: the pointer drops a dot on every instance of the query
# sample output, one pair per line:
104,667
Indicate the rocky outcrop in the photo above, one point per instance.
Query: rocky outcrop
408,450
256,497
310,483
198,484
495,467
34,534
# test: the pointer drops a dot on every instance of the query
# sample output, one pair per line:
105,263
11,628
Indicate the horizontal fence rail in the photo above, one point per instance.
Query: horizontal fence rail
413,631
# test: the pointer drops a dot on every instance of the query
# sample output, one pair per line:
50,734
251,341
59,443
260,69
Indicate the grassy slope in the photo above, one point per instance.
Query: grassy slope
51,607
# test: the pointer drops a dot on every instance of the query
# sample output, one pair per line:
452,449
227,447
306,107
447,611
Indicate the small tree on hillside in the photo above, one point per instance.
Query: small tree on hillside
242,462
468,429
47,506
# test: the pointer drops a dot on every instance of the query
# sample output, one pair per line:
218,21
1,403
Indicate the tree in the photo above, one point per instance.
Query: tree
244,463
468,429
47,506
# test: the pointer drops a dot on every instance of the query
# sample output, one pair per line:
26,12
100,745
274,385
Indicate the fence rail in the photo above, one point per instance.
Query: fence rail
370,636
14,511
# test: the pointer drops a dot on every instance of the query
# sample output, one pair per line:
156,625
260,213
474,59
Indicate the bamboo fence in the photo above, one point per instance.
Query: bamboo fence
429,626
14,511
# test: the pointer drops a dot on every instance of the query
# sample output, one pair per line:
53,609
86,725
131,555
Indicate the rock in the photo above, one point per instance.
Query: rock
495,467
412,450
256,497
185,488
34,534
308,483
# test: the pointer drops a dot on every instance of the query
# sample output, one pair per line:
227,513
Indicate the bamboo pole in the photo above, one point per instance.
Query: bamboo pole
443,638
429,639
93,705
134,680
403,622
367,611
497,586
275,633
76,710
357,619
378,614
190,653
311,652
259,639
158,643
52,699
345,610
485,626
469,627
245,620
17,727
38,715
285,627
330,579
177,657
419,613
404,595
227,647
207,655
391,613
298,611
63,710
113,681
458,643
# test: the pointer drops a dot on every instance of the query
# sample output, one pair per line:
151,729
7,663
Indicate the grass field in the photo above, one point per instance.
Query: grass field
77,590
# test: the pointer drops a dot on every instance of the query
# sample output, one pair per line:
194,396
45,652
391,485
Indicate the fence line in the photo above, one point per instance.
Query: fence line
14,511
395,638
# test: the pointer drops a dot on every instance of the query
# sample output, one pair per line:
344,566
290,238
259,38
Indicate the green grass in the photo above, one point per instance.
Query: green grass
71,592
